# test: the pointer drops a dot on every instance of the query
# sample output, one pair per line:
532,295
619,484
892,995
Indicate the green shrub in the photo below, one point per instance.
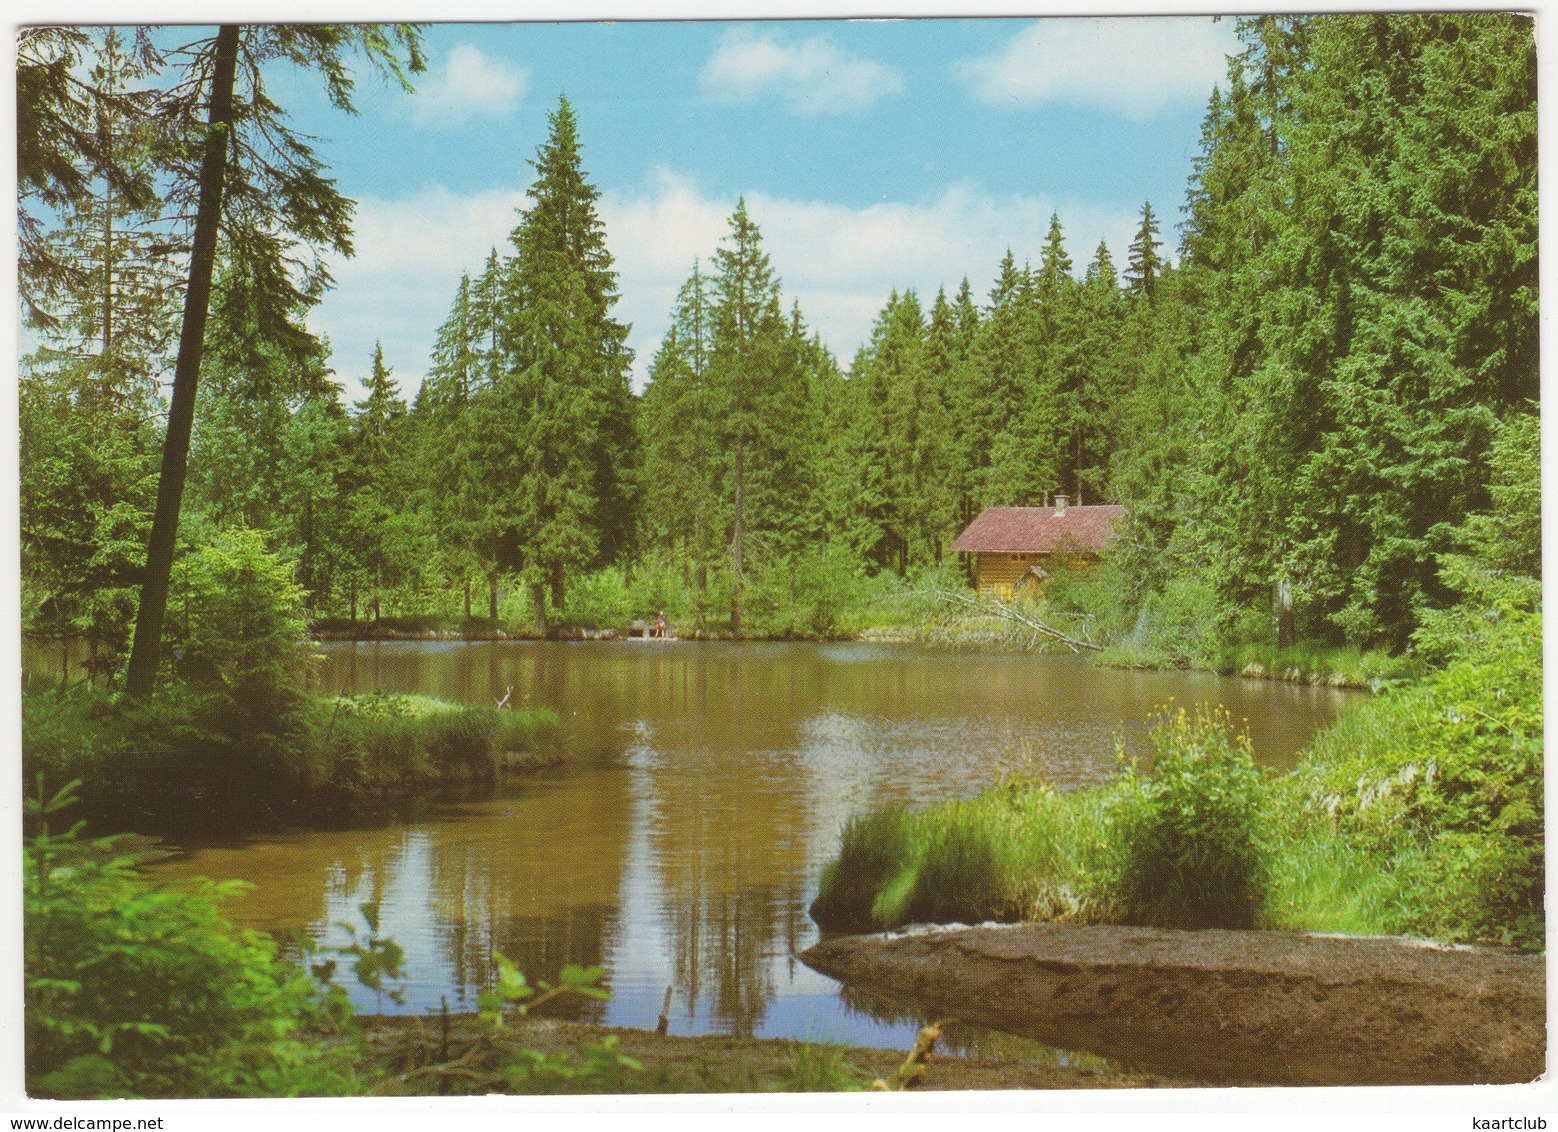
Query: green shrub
1185,839
887,601
657,588
1100,593
1444,778
141,990
1181,626
237,636
807,595
598,601
63,732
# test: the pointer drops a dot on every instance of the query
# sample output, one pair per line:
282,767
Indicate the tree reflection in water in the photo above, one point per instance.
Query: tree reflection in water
709,785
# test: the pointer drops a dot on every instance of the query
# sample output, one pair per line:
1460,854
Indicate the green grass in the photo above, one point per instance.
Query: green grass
1418,812
1018,852
819,1067
1345,666
161,766
1307,663
386,745
1322,883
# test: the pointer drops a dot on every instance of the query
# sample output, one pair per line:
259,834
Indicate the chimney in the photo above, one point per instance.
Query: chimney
1060,504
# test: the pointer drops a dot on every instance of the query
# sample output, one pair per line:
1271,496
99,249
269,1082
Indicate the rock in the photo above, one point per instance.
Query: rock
1230,1007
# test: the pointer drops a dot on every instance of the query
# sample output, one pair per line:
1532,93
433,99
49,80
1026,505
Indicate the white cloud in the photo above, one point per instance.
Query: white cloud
466,84
813,76
399,287
1131,65
840,262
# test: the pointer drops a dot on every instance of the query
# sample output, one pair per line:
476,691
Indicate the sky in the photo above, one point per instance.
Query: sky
873,154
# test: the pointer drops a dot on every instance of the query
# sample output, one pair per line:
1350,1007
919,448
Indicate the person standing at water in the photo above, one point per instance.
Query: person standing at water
660,625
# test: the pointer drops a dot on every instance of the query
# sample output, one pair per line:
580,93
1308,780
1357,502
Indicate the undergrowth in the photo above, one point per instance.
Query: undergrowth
166,765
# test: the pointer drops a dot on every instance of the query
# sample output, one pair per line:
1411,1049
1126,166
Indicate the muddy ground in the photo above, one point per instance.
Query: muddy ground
720,1064
1225,1007
1206,1008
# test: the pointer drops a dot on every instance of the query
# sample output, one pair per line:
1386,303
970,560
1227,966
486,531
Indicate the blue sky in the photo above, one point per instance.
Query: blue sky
873,154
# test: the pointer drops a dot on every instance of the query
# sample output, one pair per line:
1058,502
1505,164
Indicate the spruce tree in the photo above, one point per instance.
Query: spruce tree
565,399
377,520
115,299
962,405
457,372
1104,373
748,368
1144,264
680,426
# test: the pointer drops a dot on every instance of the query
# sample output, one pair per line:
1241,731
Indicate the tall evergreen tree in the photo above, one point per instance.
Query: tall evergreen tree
457,371
962,406
761,395
680,424
85,129
257,187
1144,264
565,394
117,302
1103,380
381,527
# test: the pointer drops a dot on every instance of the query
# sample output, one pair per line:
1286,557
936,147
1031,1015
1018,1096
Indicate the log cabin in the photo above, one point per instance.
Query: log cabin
1016,548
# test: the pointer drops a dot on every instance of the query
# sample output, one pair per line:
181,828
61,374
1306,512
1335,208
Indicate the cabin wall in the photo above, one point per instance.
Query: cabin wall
998,575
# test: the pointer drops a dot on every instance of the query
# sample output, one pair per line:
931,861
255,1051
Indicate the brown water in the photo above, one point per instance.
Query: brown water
683,844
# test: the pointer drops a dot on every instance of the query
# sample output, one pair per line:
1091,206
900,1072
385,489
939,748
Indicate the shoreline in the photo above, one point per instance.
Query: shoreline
895,635
721,1063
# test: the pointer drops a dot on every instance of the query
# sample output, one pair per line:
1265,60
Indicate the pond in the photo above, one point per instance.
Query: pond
682,844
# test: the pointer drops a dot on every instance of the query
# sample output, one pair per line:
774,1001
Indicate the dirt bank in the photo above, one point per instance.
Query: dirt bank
1224,1006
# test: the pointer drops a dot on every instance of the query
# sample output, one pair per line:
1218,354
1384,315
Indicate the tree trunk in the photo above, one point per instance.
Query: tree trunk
1282,604
492,598
146,651
467,599
538,605
737,546
559,586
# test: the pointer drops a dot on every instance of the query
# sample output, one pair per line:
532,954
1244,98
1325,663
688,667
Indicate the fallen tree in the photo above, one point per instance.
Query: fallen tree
1020,628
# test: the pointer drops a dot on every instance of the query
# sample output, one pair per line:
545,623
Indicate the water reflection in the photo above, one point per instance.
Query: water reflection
683,845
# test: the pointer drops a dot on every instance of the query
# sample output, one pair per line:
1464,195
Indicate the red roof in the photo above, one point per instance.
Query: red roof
1040,530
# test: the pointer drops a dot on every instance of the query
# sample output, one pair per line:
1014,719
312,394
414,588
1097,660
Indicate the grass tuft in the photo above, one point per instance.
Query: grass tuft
1420,811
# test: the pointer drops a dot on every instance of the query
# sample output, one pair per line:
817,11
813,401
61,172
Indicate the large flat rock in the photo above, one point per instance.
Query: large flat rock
1228,1007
